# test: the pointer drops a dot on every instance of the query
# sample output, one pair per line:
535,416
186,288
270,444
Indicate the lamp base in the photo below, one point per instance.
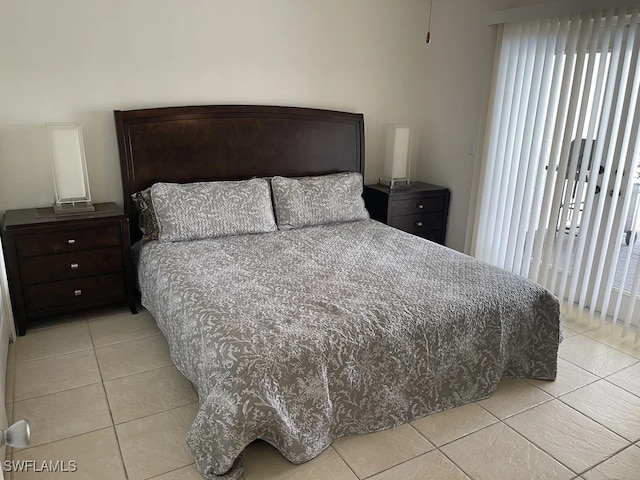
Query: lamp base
73,208
394,182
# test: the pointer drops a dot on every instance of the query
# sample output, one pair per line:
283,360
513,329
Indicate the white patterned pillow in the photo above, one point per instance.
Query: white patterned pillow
196,211
306,201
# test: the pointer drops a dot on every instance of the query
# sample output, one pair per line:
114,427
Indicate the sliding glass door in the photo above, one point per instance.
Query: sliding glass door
556,200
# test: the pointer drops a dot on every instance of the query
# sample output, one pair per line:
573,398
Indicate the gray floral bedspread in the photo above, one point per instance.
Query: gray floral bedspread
298,337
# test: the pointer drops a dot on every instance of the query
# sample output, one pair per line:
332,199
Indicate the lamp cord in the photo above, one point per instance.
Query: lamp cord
428,39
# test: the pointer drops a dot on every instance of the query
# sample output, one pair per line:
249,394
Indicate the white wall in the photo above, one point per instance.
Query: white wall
459,64
78,60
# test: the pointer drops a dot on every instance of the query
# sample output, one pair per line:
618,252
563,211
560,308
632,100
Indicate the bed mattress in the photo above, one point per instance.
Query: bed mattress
298,337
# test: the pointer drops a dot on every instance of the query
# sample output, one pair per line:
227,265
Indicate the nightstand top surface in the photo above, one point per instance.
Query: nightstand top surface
414,187
37,216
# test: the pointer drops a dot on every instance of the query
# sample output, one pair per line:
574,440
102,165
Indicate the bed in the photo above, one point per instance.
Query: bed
311,324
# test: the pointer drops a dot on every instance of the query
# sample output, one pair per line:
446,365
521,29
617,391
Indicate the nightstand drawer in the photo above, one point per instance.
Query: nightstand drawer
68,241
58,264
49,268
74,292
418,224
420,208
416,205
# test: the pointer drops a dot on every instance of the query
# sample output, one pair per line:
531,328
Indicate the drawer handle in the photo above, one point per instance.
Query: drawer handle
418,224
420,206
74,266
77,293
71,241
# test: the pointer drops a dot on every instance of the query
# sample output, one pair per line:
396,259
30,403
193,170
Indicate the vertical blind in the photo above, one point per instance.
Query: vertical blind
558,198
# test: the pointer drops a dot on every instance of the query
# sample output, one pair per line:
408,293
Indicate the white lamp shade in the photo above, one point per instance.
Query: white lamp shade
68,162
398,151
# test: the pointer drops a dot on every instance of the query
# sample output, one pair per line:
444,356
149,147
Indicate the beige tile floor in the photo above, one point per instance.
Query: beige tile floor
101,389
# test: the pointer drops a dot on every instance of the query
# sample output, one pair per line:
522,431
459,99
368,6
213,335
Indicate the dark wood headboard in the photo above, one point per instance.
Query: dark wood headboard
232,142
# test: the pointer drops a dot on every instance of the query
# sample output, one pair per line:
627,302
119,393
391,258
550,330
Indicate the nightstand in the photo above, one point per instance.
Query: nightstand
58,264
420,208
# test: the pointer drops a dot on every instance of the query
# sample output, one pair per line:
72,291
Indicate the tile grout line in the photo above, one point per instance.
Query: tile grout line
93,347
606,345
539,448
606,379
619,371
57,356
497,420
147,416
398,464
129,340
157,413
53,356
454,463
600,377
437,448
573,389
88,348
65,438
59,325
511,415
339,456
104,389
580,367
174,470
44,358
594,420
56,392
134,373
143,373
592,466
487,411
37,333
605,460
139,373
112,425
